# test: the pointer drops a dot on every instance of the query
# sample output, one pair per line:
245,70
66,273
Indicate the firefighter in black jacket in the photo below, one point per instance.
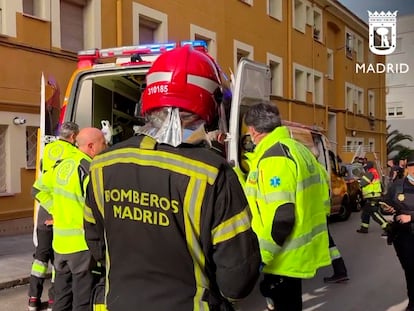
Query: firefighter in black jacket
400,200
167,213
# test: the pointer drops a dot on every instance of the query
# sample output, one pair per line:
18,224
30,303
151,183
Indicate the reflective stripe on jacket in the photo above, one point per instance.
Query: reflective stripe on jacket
284,172
61,191
371,184
55,151
171,222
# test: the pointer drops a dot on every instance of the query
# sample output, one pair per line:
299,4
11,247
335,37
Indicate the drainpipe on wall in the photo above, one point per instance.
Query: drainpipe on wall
119,22
289,58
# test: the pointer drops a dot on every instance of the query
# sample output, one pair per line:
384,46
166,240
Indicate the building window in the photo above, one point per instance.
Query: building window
354,144
299,15
359,49
395,112
349,97
37,8
349,43
242,50
31,146
28,7
308,82
147,29
76,24
71,24
354,98
276,69
330,61
359,96
317,24
199,33
300,84
371,103
274,9
149,25
3,164
371,145
318,89
309,15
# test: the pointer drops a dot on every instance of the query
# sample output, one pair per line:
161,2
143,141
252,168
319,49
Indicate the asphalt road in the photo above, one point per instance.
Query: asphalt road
376,278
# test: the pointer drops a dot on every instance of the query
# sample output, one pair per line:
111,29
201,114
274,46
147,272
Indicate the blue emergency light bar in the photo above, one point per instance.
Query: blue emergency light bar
195,43
89,57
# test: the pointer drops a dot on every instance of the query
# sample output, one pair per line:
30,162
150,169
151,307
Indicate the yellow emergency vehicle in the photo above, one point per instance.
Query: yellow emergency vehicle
105,91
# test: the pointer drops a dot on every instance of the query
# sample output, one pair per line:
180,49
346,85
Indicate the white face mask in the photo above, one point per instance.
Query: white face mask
410,178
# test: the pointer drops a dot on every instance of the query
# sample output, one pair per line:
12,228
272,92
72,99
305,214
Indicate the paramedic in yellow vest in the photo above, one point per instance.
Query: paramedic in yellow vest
371,192
61,191
52,152
288,199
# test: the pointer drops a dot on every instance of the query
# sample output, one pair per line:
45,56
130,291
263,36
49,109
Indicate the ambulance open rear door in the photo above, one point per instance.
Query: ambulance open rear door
251,84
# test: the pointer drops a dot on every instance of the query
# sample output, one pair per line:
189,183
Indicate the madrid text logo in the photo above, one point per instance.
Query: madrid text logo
382,41
382,32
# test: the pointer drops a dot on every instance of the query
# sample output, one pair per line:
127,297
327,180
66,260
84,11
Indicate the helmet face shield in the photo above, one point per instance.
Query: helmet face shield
172,126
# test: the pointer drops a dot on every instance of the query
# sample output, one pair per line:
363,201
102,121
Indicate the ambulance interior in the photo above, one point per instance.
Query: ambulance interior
111,95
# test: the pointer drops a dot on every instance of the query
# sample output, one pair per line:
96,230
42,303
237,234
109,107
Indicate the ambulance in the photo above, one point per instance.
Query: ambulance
105,92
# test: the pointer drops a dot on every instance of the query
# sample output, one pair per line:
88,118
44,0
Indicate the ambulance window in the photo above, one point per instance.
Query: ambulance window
83,114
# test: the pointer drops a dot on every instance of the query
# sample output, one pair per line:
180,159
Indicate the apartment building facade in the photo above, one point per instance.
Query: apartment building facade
400,86
311,46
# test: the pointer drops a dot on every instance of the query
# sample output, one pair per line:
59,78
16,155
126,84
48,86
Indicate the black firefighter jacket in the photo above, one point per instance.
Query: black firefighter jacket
173,224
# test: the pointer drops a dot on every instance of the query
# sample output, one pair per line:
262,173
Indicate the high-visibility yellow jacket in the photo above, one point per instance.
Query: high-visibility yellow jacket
288,196
61,191
55,151
52,153
371,184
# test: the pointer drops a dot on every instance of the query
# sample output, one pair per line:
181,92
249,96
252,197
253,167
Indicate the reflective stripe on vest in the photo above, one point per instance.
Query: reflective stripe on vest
306,249
200,175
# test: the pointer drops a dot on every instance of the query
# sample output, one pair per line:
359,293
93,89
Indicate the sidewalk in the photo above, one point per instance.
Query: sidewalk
16,255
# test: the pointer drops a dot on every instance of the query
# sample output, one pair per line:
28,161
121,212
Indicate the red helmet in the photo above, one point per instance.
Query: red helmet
183,78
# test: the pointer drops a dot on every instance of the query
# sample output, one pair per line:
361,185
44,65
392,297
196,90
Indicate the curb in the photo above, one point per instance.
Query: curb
19,282
13,283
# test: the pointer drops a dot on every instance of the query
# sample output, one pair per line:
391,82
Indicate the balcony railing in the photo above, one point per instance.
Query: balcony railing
359,148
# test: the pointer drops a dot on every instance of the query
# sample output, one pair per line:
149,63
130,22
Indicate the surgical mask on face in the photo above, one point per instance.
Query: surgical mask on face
410,178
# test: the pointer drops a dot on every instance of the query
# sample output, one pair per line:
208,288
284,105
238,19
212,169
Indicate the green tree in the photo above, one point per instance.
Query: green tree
394,145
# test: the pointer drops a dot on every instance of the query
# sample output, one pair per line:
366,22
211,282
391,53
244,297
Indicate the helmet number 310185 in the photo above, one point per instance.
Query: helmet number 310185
158,89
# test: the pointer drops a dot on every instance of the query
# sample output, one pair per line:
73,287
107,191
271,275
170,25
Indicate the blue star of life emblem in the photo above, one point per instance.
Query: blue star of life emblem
275,181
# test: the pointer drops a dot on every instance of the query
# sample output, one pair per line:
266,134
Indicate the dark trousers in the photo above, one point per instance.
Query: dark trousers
338,263
73,282
371,209
404,247
43,254
286,292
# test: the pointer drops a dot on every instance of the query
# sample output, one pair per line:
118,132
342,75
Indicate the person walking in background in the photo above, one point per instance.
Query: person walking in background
288,198
52,153
371,191
165,213
61,191
400,201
